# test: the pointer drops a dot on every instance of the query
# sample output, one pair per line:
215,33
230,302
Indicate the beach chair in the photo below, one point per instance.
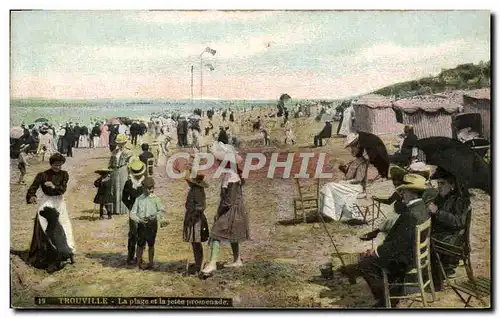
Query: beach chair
468,286
422,265
307,201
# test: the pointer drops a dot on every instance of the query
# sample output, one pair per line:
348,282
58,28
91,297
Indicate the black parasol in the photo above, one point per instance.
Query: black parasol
377,152
42,120
470,170
285,97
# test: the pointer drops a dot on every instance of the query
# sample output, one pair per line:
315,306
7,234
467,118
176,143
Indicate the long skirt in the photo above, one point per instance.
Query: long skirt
346,125
118,179
55,142
104,140
197,231
41,247
83,141
231,222
96,142
338,199
196,139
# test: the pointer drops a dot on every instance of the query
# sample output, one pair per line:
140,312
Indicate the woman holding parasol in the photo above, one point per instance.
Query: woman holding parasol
339,197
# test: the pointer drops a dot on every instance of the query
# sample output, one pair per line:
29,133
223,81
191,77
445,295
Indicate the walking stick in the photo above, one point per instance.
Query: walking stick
331,239
373,219
352,279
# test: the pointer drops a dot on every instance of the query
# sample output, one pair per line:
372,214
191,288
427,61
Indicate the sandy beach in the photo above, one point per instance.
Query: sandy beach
281,261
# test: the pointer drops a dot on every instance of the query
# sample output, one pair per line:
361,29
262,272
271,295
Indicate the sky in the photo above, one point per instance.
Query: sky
259,54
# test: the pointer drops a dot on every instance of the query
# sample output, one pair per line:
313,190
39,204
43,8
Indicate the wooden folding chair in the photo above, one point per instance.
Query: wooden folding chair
473,287
306,202
422,264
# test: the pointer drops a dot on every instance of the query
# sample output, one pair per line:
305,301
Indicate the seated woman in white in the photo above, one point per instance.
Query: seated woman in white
341,196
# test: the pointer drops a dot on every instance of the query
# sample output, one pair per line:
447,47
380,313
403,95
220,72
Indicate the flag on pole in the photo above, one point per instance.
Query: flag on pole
210,66
211,51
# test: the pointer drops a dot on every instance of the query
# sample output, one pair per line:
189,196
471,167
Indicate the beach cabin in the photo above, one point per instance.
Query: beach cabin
429,115
374,115
479,101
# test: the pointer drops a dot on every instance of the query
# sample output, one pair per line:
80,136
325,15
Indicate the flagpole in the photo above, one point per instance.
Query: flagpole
201,75
192,94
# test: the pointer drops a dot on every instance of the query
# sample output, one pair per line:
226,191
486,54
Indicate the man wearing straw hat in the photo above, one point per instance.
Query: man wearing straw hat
396,174
118,162
396,253
131,191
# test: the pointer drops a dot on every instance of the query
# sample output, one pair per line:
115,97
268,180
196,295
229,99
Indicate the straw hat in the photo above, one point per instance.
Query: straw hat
413,182
121,139
137,168
222,152
396,172
421,169
351,139
198,180
103,171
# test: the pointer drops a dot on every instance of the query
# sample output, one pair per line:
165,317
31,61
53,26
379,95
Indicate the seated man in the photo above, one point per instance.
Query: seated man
449,213
396,253
396,174
326,132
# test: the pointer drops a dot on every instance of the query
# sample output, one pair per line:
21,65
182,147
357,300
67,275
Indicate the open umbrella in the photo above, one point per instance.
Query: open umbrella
16,132
42,120
377,152
285,97
470,170
113,121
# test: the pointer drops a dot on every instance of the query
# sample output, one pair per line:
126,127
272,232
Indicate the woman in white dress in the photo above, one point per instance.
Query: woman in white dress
347,119
338,198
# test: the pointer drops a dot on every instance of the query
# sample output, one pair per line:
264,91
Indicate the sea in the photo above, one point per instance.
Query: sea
27,111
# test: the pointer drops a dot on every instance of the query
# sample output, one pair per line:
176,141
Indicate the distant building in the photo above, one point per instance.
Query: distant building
479,101
374,115
430,116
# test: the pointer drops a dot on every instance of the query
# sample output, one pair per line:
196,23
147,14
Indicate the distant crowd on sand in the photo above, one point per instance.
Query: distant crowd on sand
126,186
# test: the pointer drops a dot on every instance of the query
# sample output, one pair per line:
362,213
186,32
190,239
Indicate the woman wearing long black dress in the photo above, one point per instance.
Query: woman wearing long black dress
52,241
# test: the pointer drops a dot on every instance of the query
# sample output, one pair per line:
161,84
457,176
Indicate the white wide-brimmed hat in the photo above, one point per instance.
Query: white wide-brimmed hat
351,139
222,152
